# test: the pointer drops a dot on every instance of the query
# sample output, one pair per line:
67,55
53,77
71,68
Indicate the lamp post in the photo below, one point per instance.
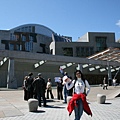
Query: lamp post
109,73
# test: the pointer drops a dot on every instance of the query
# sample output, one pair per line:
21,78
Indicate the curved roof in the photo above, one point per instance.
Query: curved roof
39,29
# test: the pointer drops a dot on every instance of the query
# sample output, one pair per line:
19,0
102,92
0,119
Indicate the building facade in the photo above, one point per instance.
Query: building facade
34,38
90,43
40,39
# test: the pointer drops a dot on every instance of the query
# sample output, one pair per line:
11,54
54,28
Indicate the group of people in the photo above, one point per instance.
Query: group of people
106,81
78,89
36,88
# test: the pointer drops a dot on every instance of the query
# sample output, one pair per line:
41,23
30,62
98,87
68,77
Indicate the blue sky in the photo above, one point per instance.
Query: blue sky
65,17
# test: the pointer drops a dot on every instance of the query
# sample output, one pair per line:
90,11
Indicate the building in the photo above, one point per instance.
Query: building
37,39
88,44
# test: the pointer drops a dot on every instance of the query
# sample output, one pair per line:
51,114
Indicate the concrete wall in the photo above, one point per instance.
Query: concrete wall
48,70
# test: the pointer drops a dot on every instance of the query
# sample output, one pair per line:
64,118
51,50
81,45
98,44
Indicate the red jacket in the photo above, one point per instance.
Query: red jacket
72,104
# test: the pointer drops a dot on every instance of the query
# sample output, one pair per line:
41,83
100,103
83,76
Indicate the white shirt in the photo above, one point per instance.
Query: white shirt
79,86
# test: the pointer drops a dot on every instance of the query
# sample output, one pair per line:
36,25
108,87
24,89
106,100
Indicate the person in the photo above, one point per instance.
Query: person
105,83
66,92
39,86
34,91
59,89
114,82
25,88
49,89
78,101
29,86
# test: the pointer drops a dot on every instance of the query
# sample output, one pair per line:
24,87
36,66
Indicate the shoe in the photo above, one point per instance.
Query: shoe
45,105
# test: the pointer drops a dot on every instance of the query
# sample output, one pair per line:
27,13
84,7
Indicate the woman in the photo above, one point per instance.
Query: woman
25,88
49,89
78,101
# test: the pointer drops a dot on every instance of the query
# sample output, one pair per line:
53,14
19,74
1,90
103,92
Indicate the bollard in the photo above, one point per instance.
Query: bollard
33,105
101,98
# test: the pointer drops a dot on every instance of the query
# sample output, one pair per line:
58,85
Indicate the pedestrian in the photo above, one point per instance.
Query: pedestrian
60,89
114,82
29,86
39,86
34,91
78,101
25,88
66,92
105,83
49,89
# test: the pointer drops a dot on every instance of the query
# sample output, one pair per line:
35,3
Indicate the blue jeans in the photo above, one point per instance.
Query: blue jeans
65,94
78,109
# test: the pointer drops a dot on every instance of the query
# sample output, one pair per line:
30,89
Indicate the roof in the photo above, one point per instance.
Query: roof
110,54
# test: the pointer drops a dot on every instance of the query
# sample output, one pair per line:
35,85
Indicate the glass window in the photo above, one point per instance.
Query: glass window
68,51
101,43
11,47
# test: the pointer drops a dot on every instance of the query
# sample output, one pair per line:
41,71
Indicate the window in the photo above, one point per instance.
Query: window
11,47
101,43
68,51
84,51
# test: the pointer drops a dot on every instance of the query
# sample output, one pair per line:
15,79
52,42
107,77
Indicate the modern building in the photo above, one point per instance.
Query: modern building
30,38
35,39
88,44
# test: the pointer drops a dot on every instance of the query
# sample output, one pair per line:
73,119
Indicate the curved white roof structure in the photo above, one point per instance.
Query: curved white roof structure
35,28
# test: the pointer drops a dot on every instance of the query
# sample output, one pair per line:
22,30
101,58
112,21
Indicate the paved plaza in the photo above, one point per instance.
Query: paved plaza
13,107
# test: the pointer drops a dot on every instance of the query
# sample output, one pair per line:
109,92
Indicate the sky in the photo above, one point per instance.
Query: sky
72,18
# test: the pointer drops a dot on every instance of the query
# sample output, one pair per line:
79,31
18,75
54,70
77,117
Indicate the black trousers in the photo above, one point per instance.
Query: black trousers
51,94
59,93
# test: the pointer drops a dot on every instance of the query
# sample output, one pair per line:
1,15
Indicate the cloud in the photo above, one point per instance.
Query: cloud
118,23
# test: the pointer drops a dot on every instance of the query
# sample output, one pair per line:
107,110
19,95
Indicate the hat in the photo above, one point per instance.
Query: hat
64,78
39,74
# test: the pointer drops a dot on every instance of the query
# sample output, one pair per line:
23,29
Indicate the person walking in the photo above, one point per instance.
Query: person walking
49,89
78,101
39,86
105,83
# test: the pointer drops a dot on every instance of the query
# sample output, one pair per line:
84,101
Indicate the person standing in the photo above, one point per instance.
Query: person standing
49,89
65,91
114,82
29,86
39,86
78,101
60,89
105,83
25,88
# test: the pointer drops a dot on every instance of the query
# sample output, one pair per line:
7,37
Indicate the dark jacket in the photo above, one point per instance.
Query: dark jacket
28,83
39,85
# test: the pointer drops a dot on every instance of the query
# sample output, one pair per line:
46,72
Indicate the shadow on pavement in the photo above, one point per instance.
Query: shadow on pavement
53,106
39,111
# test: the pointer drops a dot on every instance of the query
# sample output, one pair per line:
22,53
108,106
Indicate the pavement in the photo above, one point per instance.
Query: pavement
13,107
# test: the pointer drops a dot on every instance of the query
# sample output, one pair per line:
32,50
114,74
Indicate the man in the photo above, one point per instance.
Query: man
39,89
29,86
66,92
